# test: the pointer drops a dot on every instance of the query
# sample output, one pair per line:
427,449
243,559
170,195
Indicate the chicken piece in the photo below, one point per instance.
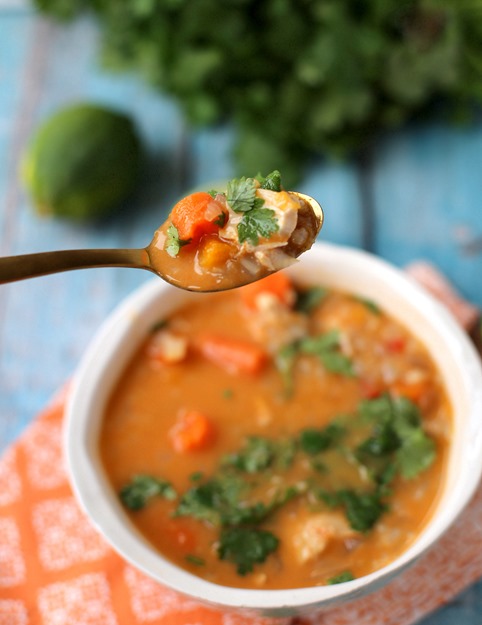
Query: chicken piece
316,532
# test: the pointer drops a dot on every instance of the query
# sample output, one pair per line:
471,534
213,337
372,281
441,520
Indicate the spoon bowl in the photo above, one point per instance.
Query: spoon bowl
152,258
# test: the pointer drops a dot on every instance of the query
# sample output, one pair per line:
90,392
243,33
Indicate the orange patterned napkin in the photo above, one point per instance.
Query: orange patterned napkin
55,569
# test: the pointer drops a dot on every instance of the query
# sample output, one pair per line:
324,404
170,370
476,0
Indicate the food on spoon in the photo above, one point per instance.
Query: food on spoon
82,162
231,238
307,436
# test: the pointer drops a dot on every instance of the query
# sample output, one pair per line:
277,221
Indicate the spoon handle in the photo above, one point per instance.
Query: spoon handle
40,264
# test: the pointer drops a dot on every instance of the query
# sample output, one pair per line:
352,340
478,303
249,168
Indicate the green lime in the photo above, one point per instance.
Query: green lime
82,162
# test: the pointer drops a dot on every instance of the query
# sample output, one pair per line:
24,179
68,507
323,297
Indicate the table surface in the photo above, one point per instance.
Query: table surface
417,198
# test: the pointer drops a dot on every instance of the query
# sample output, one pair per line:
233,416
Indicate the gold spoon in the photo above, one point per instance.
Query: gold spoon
24,266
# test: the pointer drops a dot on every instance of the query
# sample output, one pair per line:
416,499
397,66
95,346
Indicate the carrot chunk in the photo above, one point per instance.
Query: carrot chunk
277,284
233,355
215,253
411,390
195,215
192,431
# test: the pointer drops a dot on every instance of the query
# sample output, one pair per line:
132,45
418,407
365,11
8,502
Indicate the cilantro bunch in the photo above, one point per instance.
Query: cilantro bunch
297,77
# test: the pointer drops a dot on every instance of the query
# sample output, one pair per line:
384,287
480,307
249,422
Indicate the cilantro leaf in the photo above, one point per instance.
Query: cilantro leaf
327,348
258,222
341,578
308,300
246,547
240,194
416,453
214,500
136,494
362,509
173,242
314,441
399,418
256,455
284,361
272,181
221,220
369,304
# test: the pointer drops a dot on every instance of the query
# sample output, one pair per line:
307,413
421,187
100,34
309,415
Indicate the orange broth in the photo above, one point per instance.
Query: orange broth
387,363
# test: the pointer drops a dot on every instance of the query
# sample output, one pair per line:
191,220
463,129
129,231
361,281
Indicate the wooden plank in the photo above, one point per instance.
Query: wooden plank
427,189
47,322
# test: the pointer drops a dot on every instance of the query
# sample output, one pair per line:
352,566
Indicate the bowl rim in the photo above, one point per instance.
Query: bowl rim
103,509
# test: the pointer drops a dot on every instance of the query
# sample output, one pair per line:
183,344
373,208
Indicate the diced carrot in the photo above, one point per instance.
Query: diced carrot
214,253
370,389
233,355
277,284
192,431
195,215
411,390
395,345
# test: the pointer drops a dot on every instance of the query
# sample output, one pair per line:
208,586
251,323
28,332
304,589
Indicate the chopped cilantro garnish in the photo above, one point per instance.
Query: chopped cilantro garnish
369,304
136,494
173,242
196,476
159,325
228,393
398,420
256,455
240,194
221,220
284,362
327,348
245,547
314,441
256,223
341,578
214,500
272,181
192,559
308,300
362,509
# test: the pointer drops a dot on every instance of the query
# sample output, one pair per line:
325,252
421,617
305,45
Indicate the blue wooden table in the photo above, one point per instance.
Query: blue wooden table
418,197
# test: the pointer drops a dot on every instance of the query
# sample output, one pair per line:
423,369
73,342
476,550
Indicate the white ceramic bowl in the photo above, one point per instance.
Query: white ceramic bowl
333,266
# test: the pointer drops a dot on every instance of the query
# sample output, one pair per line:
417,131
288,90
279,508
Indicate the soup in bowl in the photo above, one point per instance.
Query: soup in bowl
282,446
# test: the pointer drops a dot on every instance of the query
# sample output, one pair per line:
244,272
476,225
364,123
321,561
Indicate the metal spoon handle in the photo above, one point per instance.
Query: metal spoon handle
40,264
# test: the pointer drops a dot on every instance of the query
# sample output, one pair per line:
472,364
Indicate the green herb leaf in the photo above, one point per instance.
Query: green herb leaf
416,453
256,223
240,194
327,348
221,220
285,361
398,418
192,559
370,305
272,181
214,501
257,455
136,494
362,509
246,547
173,242
314,441
307,301
341,578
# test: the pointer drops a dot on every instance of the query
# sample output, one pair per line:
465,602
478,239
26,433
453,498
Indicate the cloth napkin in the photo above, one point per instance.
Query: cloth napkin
55,569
